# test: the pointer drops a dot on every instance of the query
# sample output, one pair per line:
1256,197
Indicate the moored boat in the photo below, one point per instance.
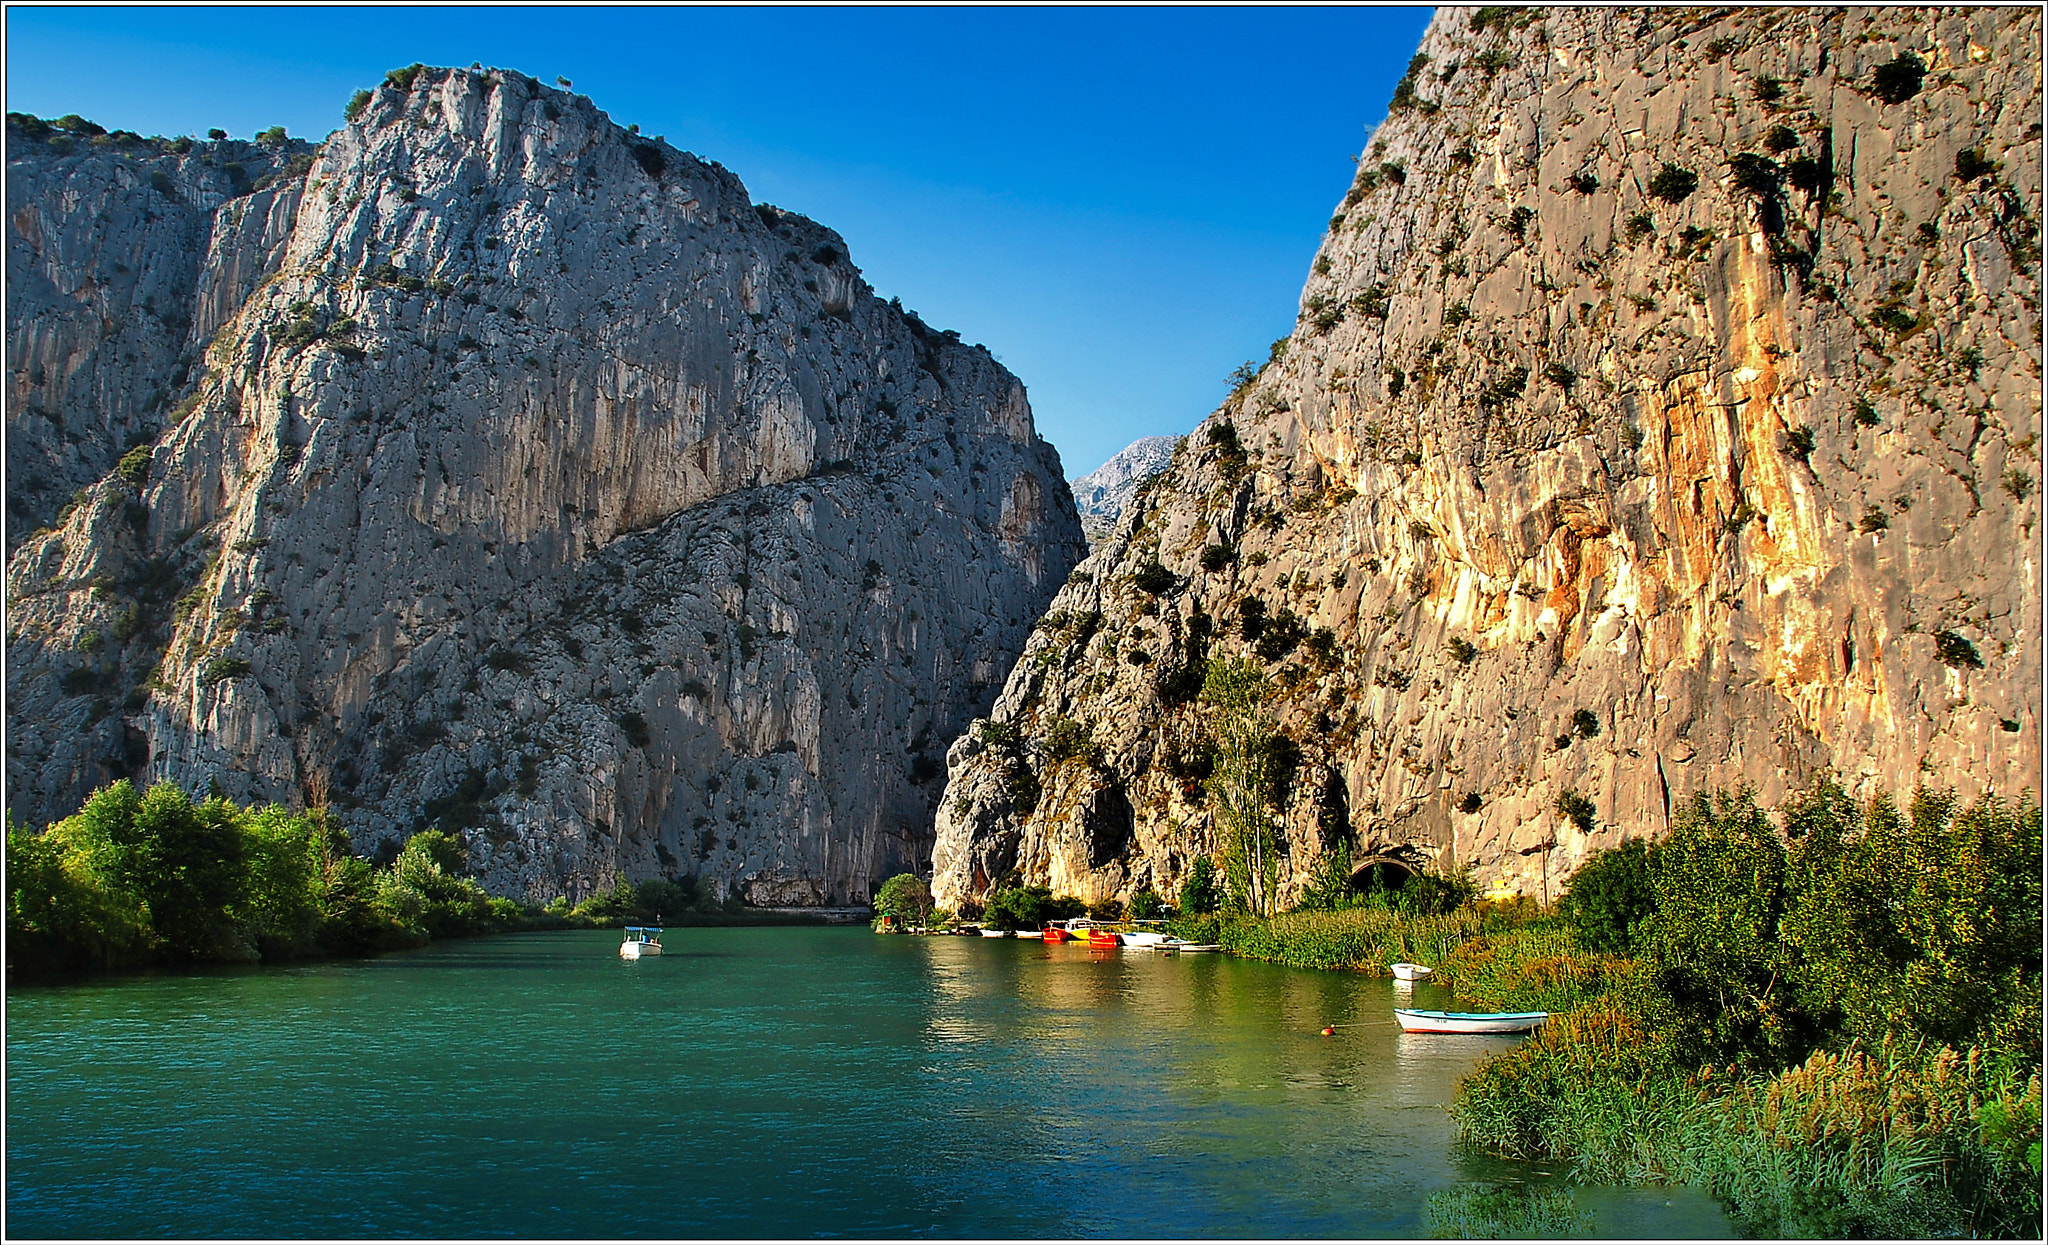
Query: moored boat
641,941
1103,938
1409,972
996,933
1414,1021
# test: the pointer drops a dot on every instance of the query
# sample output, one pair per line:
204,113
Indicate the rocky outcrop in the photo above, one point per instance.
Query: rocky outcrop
1102,494
1663,415
551,491
124,256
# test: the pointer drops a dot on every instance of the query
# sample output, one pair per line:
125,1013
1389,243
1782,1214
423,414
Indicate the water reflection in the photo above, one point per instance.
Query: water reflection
782,1082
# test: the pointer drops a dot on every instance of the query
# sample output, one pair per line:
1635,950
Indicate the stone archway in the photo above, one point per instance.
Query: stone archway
1382,872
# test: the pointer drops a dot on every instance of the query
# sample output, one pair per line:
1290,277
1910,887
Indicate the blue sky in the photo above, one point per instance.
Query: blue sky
1121,203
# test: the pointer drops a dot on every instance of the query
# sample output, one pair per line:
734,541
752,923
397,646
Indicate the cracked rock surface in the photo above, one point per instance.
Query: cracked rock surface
544,487
1663,416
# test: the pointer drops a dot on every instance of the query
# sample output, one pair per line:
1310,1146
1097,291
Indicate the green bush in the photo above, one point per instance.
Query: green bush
134,466
1066,740
1755,174
1973,165
1329,886
1020,907
1198,895
357,105
1148,905
221,669
1609,896
1955,650
1404,90
1153,578
1898,79
1672,184
1574,807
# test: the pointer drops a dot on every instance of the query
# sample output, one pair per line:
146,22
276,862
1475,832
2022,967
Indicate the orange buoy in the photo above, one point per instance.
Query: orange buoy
1330,1032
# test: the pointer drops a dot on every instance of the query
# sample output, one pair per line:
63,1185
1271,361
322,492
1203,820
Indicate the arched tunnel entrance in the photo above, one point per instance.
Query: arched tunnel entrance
1381,873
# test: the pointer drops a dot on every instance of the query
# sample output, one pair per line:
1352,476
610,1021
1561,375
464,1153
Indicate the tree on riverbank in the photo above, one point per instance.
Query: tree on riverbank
136,878
1248,782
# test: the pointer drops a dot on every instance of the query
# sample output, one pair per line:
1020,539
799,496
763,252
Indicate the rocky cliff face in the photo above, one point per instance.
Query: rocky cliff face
1102,494
550,490
124,256
1663,415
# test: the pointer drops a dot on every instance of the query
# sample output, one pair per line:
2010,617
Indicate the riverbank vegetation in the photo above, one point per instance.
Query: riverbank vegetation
140,878
1834,1026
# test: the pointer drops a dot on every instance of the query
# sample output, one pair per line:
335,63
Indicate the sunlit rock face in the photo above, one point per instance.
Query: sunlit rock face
1602,479
124,256
548,489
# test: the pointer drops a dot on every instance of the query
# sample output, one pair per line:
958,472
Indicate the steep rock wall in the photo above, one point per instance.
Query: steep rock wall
1576,478
553,492
124,256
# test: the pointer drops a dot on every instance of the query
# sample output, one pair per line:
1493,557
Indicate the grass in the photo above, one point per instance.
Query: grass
1494,1212
1919,1141
1899,1142
1360,939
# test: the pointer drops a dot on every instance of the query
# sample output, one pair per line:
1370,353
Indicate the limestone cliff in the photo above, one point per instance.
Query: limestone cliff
124,256
550,490
1102,494
1663,415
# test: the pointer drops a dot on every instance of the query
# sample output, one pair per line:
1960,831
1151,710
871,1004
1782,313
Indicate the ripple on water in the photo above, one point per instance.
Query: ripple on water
783,1082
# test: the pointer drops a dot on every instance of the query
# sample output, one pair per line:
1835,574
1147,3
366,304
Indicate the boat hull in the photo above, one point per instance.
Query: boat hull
1410,972
638,950
1414,1021
1102,939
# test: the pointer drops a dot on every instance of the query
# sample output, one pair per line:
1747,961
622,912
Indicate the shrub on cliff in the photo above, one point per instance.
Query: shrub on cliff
1672,184
1898,79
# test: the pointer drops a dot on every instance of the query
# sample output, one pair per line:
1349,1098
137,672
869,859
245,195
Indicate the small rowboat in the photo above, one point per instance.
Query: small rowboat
1468,1022
995,933
1409,972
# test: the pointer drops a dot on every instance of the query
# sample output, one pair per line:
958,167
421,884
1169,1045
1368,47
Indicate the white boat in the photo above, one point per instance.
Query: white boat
1175,944
1409,972
1468,1022
1144,938
641,941
995,933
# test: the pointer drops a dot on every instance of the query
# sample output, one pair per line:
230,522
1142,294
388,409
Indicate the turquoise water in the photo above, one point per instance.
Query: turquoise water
751,1082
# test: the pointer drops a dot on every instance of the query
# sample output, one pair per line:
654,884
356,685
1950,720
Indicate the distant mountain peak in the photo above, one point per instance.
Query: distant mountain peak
1102,494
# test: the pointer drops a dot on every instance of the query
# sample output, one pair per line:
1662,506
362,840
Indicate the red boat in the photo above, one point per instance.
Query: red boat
1054,933
1102,938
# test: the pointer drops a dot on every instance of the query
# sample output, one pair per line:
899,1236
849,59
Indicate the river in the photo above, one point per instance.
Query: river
795,1081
